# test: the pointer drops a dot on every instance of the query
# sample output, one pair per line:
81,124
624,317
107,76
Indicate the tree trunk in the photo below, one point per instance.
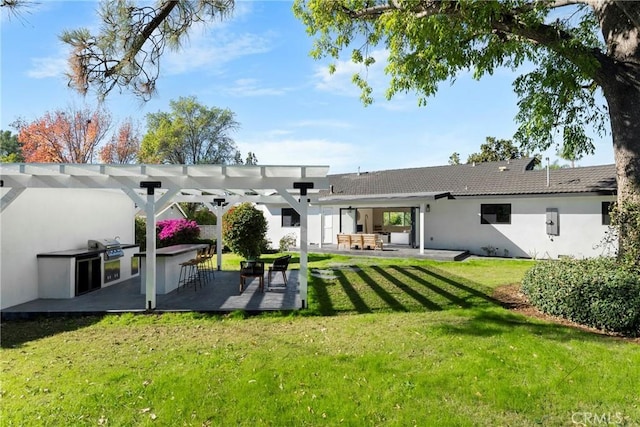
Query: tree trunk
619,77
624,109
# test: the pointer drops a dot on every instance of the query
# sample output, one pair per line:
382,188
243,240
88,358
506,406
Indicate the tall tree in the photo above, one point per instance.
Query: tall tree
126,52
190,133
495,150
454,159
569,153
60,136
10,149
593,48
124,145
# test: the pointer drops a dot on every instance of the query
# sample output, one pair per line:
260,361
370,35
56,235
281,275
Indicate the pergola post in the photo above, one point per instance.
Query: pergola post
150,208
303,210
219,212
423,208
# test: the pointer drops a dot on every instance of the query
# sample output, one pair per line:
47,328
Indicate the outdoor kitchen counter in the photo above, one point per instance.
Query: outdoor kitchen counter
72,253
72,272
168,262
176,250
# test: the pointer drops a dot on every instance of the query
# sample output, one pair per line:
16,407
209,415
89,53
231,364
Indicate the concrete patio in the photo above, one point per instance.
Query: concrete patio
220,295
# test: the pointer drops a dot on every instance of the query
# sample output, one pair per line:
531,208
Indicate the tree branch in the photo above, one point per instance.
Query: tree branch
139,41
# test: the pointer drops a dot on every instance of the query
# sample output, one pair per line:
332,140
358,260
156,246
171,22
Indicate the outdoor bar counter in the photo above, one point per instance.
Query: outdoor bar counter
168,262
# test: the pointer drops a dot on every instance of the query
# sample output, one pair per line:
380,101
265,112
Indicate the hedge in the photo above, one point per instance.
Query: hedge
593,292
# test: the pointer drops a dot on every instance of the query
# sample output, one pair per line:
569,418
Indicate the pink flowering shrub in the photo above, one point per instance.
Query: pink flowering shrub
177,231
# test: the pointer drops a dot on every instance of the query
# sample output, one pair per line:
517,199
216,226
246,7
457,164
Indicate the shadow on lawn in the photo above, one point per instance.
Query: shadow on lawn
393,288
496,321
18,332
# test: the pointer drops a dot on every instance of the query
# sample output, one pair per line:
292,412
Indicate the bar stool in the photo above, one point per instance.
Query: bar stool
189,272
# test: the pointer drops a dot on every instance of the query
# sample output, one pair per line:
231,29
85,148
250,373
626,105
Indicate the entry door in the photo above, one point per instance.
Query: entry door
327,214
348,220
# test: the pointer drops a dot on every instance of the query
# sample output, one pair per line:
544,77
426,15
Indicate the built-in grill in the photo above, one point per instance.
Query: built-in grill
111,247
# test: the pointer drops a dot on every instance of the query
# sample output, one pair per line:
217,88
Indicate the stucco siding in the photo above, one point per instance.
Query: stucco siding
455,224
49,220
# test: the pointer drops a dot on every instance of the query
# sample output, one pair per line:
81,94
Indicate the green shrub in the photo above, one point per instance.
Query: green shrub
593,292
287,242
204,216
244,230
141,233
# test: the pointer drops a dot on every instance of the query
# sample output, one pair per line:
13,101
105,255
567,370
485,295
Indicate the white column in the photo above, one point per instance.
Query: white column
150,288
304,220
423,228
321,228
219,214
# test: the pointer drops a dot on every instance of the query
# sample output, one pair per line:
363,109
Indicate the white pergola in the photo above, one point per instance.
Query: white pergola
153,187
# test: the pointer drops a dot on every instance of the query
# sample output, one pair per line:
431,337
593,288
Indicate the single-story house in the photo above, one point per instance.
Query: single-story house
49,213
506,208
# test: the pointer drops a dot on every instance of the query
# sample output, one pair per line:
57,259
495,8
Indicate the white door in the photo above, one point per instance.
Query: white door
327,215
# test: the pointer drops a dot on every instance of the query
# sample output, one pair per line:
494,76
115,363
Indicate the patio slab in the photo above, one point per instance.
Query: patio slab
395,251
220,295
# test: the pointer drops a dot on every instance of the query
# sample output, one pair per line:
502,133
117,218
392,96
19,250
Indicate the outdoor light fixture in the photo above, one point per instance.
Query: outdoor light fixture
303,187
218,202
150,186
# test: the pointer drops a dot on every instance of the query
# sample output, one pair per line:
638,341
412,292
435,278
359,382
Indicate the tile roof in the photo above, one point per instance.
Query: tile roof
514,177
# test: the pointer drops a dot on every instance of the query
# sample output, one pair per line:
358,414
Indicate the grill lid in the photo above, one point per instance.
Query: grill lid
103,244
111,247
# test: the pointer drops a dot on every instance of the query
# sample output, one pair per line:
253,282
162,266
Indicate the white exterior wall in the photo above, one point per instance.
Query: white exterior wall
49,220
275,230
455,224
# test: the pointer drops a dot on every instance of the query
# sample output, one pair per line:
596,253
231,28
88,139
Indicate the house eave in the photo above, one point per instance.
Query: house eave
428,195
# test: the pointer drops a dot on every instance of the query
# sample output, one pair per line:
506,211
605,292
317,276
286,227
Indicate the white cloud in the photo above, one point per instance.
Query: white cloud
208,49
251,87
47,67
288,151
324,123
340,82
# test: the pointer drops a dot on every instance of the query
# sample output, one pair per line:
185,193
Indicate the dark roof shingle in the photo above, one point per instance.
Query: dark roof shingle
512,177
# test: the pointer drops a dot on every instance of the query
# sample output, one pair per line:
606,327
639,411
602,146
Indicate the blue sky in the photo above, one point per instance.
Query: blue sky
290,110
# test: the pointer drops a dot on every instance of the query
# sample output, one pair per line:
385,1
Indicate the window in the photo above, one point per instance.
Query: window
606,213
495,214
396,218
290,217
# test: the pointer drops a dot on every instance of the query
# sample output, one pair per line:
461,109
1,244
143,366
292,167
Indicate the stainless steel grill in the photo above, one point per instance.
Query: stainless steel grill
111,247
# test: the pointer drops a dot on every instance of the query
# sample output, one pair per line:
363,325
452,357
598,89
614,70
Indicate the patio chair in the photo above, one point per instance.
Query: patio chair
356,241
251,270
372,241
344,241
280,264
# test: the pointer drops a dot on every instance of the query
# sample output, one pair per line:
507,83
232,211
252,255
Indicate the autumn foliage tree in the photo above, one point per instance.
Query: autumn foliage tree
70,136
124,145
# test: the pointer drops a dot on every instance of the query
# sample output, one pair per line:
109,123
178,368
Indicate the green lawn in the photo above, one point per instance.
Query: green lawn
385,342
